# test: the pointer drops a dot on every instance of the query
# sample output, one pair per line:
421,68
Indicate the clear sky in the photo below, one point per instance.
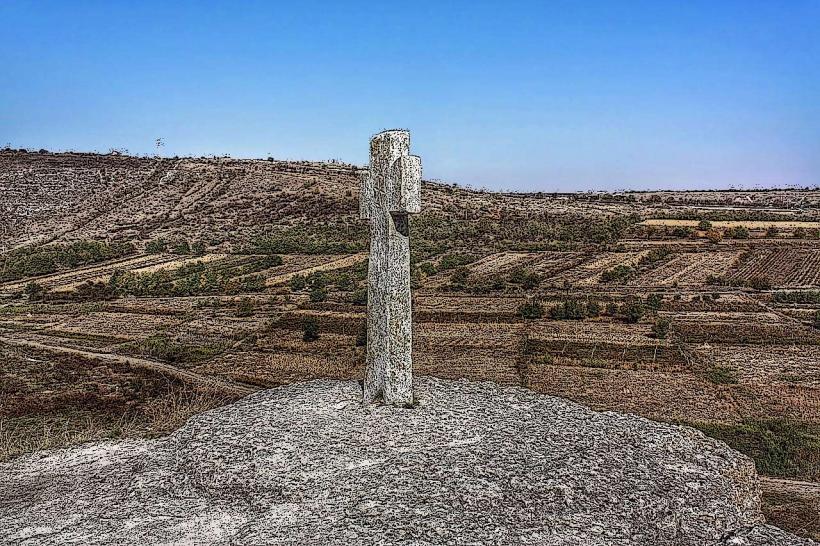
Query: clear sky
550,95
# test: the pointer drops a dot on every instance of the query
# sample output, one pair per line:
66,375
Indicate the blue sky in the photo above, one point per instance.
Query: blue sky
548,96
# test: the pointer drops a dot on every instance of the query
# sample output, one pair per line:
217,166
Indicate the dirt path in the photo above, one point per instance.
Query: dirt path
807,489
185,375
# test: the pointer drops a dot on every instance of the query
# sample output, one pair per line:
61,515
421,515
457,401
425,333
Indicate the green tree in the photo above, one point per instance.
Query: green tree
310,329
661,327
633,311
531,309
318,295
35,292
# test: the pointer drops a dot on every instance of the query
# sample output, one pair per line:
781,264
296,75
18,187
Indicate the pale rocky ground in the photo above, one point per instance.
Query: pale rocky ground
472,463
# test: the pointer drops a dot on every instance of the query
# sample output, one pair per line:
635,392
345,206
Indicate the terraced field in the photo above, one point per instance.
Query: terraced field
507,288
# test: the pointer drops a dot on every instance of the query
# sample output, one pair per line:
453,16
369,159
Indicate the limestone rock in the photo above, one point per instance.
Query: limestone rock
472,463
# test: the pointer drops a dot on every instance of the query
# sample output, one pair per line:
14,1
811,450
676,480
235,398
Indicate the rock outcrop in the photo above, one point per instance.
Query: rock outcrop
472,463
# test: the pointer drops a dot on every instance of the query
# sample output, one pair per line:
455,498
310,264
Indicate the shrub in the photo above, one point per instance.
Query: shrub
156,246
816,322
618,273
359,297
654,301
704,225
531,310
93,291
526,278
760,283
427,268
460,276
632,311
655,255
661,328
569,310
451,261
35,292
611,309
298,282
738,232
593,308
310,329
721,375
35,261
547,359
245,308
181,247
361,336
198,249
800,233
318,295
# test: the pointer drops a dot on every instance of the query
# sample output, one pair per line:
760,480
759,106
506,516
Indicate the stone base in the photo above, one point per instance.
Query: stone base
472,463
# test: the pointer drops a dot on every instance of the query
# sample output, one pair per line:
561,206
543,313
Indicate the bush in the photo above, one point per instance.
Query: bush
611,308
632,311
654,301
526,278
661,328
460,276
298,282
156,246
704,225
531,310
310,329
93,291
653,256
618,273
760,283
738,232
569,310
361,337
427,268
721,375
35,261
198,249
318,295
593,308
359,297
816,322
181,247
245,308
35,292
451,261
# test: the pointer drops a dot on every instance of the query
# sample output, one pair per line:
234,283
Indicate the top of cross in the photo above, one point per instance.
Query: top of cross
393,181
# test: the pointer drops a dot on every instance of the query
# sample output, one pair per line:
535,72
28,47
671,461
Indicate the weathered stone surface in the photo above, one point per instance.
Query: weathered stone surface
390,189
472,463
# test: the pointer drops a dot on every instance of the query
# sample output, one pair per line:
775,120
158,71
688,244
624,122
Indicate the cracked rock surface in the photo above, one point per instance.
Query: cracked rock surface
472,463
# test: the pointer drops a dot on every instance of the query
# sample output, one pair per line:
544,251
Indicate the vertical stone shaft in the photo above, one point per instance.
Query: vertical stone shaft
389,192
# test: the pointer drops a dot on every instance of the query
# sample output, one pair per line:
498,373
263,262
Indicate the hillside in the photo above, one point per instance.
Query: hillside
171,286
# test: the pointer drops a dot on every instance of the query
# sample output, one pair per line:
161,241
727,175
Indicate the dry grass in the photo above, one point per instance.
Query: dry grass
751,224
157,417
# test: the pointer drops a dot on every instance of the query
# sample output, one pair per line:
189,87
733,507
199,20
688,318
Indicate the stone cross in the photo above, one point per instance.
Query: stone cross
390,190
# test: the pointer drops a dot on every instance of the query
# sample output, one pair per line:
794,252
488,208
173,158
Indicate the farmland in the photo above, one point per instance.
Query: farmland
234,275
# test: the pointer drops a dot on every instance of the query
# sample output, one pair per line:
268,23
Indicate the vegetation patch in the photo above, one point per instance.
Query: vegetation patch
35,261
721,375
779,447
